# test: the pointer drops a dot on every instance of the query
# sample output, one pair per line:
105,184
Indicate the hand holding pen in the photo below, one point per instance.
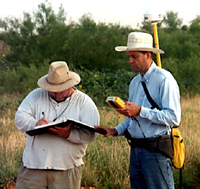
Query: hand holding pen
43,120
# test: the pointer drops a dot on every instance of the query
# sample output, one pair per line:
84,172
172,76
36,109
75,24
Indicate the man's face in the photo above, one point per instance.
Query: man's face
140,62
61,96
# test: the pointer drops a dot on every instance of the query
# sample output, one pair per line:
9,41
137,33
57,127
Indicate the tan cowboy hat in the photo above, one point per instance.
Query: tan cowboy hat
59,78
138,41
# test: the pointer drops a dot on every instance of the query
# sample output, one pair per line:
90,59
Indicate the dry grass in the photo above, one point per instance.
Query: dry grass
107,160
116,167
12,143
10,137
190,129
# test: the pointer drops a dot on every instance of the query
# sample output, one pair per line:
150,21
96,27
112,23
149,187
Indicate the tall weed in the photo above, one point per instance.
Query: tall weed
107,159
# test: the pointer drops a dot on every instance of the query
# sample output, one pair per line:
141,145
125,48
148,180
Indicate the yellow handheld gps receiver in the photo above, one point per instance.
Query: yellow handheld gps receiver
115,102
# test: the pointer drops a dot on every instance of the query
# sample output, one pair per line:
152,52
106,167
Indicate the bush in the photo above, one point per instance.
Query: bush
100,85
21,79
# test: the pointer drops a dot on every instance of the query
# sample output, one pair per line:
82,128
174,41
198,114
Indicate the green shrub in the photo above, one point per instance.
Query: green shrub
101,84
21,79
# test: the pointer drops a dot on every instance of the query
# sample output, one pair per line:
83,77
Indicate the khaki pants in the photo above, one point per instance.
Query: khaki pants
49,179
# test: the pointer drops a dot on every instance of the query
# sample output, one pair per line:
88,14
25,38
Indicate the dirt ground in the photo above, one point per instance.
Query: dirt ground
12,186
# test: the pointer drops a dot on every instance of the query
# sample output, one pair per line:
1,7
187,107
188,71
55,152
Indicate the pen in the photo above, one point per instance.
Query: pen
43,114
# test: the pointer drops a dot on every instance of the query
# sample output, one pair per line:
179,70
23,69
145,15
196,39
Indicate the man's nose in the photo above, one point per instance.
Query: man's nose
131,60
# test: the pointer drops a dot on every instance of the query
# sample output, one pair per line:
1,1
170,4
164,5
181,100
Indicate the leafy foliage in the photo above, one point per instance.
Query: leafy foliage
43,37
97,84
172,21
100,85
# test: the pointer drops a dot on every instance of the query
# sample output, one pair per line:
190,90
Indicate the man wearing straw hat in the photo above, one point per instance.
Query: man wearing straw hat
54,160
149,168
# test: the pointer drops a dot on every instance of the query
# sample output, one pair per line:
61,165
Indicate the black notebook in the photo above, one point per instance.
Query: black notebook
75,125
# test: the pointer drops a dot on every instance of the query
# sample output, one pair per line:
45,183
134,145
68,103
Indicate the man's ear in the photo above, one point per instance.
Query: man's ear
149,55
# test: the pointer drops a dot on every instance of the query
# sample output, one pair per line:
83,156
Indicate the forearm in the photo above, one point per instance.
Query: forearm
121,128
161,117
81,136
24,121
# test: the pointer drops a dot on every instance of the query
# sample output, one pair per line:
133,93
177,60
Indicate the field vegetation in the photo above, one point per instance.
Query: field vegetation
107,160
29,45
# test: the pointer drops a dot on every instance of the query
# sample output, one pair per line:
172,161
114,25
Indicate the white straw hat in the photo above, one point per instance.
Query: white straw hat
59,78
138,41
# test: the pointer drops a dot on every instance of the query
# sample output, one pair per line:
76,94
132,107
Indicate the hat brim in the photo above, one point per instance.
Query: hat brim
44,84
124,48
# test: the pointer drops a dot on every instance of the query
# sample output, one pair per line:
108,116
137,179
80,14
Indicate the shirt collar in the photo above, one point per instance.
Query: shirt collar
66,100
147,75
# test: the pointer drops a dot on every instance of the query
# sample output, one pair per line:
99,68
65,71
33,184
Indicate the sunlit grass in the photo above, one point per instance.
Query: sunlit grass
107,159
12,144
189,128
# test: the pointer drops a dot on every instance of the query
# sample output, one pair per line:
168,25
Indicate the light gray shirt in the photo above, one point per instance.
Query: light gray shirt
50,151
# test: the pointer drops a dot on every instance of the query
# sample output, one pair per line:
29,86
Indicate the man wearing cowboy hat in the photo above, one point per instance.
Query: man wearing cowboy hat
148,169
54,159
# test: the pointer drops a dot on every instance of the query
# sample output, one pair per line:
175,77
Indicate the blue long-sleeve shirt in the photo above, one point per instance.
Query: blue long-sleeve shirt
164,90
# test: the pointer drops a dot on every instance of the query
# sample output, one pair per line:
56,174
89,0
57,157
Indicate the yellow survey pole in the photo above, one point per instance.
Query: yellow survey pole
153,16
156,43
